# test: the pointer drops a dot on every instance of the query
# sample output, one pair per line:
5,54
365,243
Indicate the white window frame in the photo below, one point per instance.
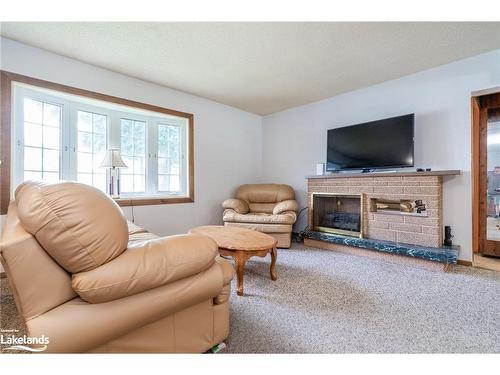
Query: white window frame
70,105
183,150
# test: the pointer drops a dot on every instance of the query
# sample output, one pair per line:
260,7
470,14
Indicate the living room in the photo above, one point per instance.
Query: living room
243,190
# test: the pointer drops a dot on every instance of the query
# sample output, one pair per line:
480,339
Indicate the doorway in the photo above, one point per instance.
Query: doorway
486,176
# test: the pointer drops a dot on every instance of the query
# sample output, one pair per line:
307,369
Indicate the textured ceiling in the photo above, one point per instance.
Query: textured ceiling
262,67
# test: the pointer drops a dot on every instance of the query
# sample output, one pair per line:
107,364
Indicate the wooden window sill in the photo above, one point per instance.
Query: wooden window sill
127,202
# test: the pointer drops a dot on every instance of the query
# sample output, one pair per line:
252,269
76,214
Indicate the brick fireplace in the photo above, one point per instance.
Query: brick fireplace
402,189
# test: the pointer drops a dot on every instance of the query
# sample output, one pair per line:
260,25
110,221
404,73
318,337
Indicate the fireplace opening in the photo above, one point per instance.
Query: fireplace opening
341,214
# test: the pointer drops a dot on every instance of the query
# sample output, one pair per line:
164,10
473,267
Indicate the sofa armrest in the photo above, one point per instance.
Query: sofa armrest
227,275
238,205
157,262
288,205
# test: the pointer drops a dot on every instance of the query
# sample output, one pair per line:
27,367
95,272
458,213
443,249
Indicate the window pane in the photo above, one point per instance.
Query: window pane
51,114
92,134
99,143
139,183
139,131
174,183
97,161
127,129
84,162
139,146
33,111
33,159
127,183
129,162
41,138
85,121
85,178
28,175
169,156
163,166
100,181
133,150
162,140
163,183
51,160
127,147
85,142
99,122
51,176
138,165
51,137
32,134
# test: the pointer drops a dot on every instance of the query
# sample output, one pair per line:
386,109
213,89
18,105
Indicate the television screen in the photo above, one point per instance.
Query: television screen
384,143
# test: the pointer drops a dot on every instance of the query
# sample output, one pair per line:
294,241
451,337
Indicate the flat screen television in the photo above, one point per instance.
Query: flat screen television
377,144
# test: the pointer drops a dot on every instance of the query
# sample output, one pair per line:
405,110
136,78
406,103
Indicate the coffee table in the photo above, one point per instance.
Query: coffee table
241,244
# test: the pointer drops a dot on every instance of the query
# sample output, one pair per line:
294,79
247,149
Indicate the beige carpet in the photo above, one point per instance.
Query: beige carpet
10,321
328,302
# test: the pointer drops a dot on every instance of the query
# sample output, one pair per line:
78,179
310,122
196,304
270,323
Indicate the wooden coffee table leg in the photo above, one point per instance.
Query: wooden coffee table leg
240,260
274,255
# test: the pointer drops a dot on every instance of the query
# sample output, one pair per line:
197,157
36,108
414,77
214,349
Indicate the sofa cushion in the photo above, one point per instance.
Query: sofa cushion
265,228
78,225
138,236
261,218
157,262
265,193
266,208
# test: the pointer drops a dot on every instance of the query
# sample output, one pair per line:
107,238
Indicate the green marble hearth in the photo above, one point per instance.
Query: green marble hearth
445,254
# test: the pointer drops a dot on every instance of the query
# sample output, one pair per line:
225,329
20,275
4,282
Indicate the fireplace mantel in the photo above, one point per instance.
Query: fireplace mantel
451,172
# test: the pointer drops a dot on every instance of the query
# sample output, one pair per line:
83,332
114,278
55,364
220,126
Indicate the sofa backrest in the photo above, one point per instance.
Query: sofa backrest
37,282
79,226
264,197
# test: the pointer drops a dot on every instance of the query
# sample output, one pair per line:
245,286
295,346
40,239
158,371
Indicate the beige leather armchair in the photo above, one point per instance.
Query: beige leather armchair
84,279
268,208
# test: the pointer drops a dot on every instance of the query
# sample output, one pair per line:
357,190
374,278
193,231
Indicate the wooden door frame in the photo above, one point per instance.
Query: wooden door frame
475,108
479,108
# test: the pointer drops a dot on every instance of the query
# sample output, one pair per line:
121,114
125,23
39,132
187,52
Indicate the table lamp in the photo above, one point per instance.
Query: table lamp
113,161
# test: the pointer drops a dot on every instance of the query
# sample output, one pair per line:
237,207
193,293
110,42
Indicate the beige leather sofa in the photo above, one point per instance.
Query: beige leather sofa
84,279
268,208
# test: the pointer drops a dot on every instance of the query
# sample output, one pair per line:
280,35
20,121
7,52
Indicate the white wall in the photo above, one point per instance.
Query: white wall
227,140
295,140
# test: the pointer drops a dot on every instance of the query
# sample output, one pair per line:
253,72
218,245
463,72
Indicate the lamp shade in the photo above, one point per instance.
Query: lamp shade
113,159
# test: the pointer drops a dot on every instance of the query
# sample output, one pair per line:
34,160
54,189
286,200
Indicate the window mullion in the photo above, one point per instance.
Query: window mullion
153,157
65,142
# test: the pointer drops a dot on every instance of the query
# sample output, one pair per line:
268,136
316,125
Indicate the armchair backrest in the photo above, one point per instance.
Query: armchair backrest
264,197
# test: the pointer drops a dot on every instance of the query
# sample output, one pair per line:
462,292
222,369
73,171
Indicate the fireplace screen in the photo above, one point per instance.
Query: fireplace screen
340,214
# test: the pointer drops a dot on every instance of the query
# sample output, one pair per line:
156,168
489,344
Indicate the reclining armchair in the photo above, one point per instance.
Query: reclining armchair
84,279
268,208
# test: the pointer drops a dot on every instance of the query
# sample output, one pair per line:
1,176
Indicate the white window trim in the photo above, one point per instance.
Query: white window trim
68,139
